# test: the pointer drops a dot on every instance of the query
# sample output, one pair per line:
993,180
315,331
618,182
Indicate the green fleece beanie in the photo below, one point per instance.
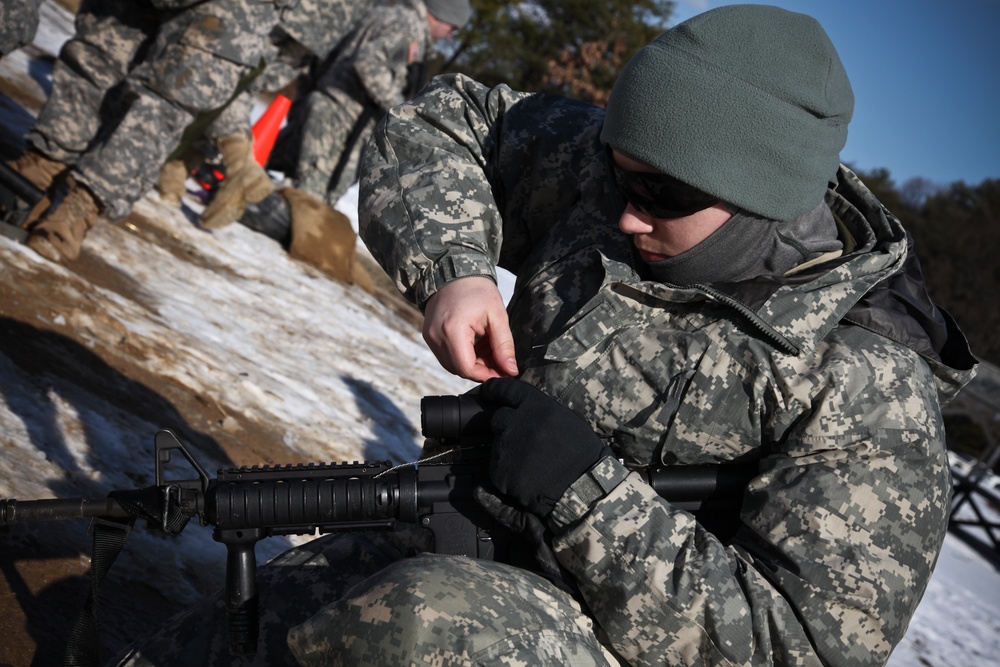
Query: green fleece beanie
749,103
453,12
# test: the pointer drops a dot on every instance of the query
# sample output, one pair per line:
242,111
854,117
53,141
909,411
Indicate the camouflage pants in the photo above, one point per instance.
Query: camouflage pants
278,73
450,611
18,23
167,92
110,36
371,599
334,132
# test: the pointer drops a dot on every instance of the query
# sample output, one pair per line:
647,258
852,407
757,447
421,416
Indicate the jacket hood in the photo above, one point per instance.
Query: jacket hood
876,284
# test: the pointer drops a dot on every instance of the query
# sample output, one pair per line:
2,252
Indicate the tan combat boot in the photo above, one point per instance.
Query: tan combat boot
41,172
246,182
324,237
37,168
173,176
59,235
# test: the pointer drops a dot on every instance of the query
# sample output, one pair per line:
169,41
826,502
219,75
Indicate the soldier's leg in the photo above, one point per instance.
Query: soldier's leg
110,36
449,611
234,119
292,587
170,89
210,131
347,174
167,91
325,132
246,181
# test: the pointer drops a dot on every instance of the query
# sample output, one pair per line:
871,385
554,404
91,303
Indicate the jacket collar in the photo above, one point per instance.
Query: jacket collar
876,284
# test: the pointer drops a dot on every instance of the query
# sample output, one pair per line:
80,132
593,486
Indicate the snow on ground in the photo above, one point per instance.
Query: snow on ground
262,338
958,622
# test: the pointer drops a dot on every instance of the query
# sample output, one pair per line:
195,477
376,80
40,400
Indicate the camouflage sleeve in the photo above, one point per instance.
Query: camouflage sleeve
426,207
841,532
381,61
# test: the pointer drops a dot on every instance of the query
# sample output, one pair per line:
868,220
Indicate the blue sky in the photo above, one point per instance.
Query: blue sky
926,79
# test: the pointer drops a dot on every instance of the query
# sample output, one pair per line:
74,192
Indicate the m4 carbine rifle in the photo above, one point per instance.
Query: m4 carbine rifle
247,504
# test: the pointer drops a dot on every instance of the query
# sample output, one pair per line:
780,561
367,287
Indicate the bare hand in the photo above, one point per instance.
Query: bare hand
466,327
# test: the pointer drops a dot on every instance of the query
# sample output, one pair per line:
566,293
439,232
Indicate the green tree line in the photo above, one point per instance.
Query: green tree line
570,47
956,233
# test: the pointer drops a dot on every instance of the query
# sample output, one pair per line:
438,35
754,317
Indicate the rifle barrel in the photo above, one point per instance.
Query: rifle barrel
58,509
19,185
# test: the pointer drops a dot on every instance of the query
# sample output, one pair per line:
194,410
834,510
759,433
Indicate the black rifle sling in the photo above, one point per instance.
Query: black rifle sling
83,648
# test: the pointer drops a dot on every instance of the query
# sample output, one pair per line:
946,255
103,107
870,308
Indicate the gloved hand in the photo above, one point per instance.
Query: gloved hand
529,526
539,447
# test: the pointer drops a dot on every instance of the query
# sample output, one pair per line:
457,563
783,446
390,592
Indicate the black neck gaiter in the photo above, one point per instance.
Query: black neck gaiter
748,246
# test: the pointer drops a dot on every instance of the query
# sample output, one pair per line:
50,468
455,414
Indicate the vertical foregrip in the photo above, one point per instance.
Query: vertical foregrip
248,504
241,596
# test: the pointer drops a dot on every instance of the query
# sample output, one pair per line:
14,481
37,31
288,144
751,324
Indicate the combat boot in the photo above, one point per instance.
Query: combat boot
246,182
38,169
171,186
270,217
59,235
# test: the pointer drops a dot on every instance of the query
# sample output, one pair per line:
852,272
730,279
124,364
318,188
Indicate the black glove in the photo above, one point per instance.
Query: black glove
531,528
539,447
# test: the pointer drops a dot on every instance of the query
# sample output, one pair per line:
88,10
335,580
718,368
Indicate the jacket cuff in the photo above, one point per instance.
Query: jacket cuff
453,267
582,494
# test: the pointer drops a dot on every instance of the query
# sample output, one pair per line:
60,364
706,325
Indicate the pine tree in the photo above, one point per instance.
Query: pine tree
570,47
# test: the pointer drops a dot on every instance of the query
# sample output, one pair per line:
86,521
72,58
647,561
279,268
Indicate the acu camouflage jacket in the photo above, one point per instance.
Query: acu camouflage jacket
830,380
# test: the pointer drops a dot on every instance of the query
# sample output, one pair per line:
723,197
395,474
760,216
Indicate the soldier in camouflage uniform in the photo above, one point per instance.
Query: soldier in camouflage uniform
199,56
110,39
749,312
378,65
699,282
381,65
379,61
306,35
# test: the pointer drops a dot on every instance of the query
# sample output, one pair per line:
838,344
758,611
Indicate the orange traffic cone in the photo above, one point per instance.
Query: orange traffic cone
265,130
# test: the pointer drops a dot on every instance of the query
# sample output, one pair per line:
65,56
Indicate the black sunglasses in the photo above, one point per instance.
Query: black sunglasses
659,195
